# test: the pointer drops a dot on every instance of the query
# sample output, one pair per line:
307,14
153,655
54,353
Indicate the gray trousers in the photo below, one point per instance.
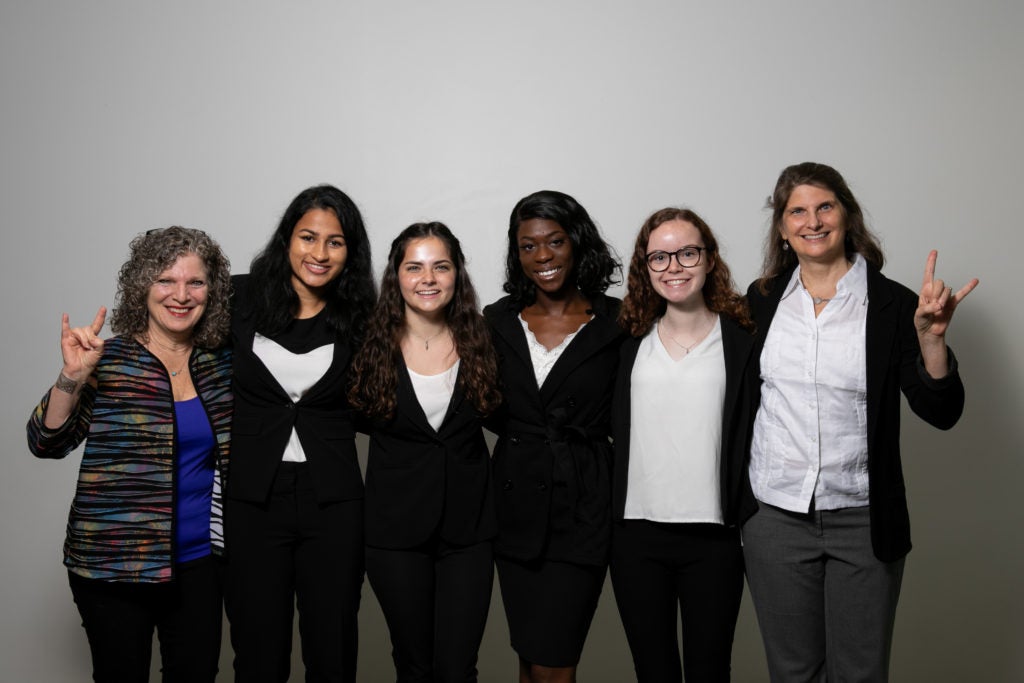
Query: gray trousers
825,604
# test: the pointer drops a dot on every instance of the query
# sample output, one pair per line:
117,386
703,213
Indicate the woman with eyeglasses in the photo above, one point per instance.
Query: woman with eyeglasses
557,343
838,342
681,418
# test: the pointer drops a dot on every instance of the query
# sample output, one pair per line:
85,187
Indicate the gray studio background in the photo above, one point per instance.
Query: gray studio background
116,117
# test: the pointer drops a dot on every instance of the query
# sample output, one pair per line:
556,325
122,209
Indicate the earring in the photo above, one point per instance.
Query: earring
785,245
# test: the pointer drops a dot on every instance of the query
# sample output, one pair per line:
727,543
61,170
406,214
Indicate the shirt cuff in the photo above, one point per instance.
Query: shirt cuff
938,384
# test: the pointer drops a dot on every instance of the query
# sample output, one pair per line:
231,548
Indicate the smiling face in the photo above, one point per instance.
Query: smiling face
177,299
681,287
545,254
426,277
317,251
814,225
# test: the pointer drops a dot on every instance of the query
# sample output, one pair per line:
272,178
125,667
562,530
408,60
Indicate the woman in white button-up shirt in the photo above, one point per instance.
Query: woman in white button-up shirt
838,343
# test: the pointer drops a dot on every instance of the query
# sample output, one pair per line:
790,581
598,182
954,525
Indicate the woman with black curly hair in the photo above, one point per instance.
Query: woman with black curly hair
294,510
425,379
557,343
153,405
683,411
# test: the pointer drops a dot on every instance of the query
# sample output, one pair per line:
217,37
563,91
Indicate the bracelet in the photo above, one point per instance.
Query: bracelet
65,384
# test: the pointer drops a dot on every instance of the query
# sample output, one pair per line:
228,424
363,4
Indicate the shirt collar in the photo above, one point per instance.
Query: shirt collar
854,282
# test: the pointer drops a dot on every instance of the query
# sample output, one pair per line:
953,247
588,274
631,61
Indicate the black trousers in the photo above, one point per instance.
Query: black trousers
435,599
293,550
119,619
663,572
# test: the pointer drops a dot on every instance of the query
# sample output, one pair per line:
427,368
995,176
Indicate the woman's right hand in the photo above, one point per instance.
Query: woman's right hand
81,347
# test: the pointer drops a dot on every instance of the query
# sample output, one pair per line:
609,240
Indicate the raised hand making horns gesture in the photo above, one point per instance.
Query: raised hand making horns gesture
935,306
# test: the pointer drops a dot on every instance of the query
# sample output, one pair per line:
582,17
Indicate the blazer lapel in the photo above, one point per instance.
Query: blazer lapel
880,332
737,345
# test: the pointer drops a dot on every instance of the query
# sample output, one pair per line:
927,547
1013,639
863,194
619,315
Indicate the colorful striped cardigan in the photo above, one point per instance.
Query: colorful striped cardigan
120,527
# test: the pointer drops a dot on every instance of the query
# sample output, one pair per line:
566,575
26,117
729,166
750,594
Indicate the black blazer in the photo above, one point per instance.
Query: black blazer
265,416
893,358
738,408
420,481
552,462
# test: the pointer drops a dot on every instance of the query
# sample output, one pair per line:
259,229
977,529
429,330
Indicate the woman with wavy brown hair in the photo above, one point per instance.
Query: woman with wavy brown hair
681,420
425,379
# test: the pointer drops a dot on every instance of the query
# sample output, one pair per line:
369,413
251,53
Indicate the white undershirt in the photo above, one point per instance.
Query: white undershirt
675,432
434,393
810,433
296,373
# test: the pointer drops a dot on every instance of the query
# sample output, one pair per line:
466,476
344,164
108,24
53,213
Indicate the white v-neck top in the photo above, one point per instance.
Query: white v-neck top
675,436
434,393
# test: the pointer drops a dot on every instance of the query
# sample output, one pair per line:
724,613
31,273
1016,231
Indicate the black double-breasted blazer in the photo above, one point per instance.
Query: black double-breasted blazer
265,416
738,407
420,481
552,462
893,359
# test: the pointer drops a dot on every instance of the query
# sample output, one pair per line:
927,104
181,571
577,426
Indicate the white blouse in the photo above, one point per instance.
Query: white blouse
675,436
810,433
542,358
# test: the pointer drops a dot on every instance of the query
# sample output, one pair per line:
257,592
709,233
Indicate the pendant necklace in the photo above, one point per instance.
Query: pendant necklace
426,340
696,341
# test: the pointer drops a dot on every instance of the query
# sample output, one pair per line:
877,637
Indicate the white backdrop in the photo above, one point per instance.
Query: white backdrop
116,117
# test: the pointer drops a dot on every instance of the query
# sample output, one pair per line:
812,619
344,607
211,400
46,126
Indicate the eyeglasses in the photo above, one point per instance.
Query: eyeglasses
687,257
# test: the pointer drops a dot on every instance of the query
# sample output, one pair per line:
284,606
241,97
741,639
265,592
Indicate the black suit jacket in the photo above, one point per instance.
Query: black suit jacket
420,481
738,408
265,416
893,358
552,462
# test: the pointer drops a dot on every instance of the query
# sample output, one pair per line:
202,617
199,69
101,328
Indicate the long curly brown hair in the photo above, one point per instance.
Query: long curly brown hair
642,305
859,238
154,252
375,368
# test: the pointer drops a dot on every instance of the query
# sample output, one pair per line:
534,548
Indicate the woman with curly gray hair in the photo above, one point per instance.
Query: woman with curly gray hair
153,404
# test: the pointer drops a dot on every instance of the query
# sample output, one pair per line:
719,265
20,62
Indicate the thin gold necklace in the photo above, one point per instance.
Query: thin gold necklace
696,341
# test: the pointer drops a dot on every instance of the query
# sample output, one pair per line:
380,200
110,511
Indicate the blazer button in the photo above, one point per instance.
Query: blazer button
514,439
542,487
507,485
571,402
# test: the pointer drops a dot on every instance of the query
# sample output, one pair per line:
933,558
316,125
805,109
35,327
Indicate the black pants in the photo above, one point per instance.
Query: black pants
435,598
656,567
287,551
119,619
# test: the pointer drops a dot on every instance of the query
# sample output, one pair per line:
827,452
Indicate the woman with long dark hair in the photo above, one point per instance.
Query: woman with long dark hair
682,414
557,343
425,379
294,514
838,342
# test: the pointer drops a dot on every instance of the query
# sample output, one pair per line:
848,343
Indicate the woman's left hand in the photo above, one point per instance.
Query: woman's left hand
936,304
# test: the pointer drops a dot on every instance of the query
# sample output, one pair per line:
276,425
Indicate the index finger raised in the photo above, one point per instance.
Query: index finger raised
929,267
97,322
